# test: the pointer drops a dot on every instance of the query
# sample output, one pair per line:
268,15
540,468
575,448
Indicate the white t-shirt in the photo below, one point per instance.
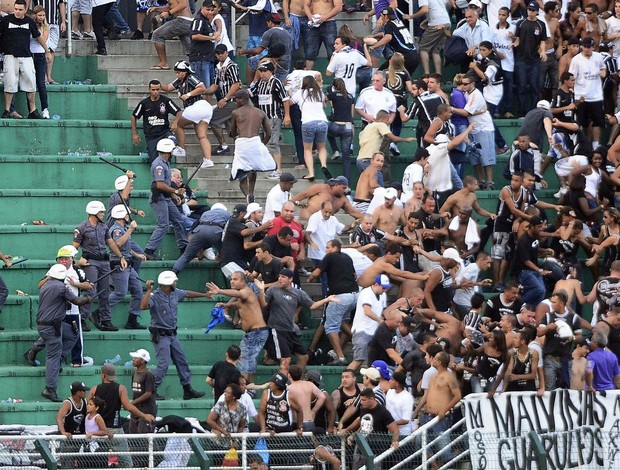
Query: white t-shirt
400,406
372,101
493,7
310,110
463,296
321,231
437,12
361,322
412,174
426,377
344,64
492,93
73,276
293,80
503,43
275,200
587,76
476,102
224,39
361,262
613,27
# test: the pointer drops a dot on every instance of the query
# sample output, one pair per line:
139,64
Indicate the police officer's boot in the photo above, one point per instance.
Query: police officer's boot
133,324
189,392
30,357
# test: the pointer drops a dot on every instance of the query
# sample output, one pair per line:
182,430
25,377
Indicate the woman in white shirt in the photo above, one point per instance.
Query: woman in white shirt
310,100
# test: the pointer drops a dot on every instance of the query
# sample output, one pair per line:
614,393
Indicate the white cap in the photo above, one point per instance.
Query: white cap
390,193
451,253
219,205
252,207
142,354
58,271
543,104
475,3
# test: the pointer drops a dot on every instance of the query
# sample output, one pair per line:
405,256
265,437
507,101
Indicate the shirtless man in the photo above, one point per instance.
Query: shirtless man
465,197
553,51
180,26
591,25
251,154
294,17
252,322
301,393
369,179
389,216
385,265
324,30
466,243
333,191
571,51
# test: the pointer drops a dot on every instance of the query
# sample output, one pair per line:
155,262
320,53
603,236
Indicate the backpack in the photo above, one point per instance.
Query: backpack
455,51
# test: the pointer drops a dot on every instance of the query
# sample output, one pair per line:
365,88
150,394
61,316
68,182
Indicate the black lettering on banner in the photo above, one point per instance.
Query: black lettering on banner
474,414
614,443
480,451
599,411
617,406
504,422
524,415
515,453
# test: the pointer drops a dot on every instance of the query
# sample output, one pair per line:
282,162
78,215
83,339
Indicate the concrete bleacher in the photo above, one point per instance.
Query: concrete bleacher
50,170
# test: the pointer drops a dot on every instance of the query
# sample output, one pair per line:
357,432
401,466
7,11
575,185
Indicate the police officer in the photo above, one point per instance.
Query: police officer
125,279
75,280
165,210
124,185
163,304
207,234
53,298
93,236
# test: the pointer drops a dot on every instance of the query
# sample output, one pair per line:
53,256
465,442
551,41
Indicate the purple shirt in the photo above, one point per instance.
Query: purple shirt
604,366
458,100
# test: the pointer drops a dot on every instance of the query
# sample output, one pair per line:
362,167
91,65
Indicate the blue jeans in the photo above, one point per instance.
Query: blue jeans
251,345
505,105
527,73
533,287
115,17
40,68
345,133
557,371
205,71
314,132
296,125
325,34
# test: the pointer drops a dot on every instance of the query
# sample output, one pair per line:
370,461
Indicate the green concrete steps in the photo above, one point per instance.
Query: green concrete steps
67,206
80,101
26,276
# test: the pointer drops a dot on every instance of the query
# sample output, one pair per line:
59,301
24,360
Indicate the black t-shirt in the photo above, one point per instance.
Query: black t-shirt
379,418
276,248
495,309
399,88
415,363
202,50
401,37
383,339
530,34
340,273
154,116
223,374
341,105
560,100
527,250
143,382
269,272
15,35
232,243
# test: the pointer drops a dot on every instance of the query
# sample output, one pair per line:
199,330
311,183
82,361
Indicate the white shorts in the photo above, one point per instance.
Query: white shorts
19,74
199,111
54,36
85,7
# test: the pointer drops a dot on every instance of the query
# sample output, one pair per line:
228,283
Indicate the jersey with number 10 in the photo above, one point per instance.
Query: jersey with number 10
344,64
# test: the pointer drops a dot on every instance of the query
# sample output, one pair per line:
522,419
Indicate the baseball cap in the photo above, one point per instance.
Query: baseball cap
574,41
287,177
543,104
536,220
220,48
383,281
451,253
287,272
587,42
142,354
389,12
383,369
409,322
79,387
266,66
275,18
475,3
371,373
240,208
252,207
315,377
338,180
390,193
208,3
109,371
279,380
533,6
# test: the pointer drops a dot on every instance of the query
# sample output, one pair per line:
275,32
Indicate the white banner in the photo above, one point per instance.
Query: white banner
498,428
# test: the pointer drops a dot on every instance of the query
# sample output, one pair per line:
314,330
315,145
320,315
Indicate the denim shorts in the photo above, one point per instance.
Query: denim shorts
360,345
314,131
335,313
325,34
251,345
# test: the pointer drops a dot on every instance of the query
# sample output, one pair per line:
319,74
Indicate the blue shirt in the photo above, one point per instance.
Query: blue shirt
117,232
92,239
160,171
164,308
480,32
53,298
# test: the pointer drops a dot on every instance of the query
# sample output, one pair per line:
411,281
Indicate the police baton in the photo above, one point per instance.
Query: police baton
126,206
184,185
125,170
15,261
103,277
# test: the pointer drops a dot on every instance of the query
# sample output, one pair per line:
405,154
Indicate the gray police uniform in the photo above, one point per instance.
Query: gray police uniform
207,234
53,298
115,200
126,279
93,241
165,210
163,330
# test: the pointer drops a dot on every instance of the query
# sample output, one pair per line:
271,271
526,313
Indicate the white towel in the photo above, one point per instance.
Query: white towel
251,155
471,235
439,177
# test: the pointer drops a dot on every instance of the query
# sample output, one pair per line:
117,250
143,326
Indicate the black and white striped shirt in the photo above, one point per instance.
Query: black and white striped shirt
227,74
51,7
271,97
186,86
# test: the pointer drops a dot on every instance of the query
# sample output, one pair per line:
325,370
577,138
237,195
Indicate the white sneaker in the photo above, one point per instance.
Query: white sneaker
563,190
76,35
88,35
206,163
45,113
209,254
332,355
178,152
336,155
274,175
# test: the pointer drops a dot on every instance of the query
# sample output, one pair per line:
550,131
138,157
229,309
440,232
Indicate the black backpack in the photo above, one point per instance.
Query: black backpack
455,51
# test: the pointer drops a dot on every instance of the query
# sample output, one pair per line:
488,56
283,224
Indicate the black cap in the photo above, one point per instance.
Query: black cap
587,42
287,177
389,12
279,379
287,272
267,65
240,208
536,220
220,48
574,42
79,387
338,180
533,6
208,3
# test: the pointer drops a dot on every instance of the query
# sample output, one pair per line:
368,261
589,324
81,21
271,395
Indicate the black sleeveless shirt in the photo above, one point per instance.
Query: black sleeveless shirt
111,413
